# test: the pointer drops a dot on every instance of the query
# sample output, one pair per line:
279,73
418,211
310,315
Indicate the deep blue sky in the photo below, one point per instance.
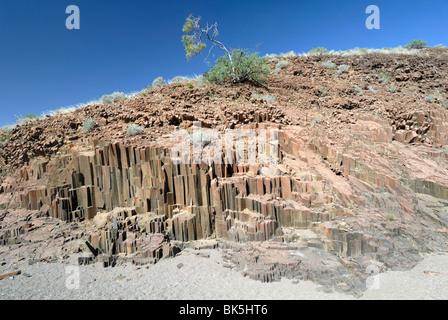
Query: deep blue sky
124,44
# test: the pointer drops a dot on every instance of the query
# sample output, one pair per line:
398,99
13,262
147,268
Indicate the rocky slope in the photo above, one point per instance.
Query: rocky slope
360,183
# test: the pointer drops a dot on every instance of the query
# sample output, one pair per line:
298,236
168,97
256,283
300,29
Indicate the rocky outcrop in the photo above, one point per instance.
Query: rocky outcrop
360,177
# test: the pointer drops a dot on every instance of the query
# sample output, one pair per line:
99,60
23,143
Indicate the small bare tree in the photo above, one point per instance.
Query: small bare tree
193,39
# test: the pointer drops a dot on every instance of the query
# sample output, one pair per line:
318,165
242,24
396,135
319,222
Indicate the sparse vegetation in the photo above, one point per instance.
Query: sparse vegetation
281,65
349,52
237,65
271,57
4,136
111,98
343,68
268,98
328,64
243,66
416,44
384,77
429,99
179,79
60,111
390,217
201,138
89,125
358,90
363,50
392,89
322,91
194,45
27,118
7,128
157,83
134,130
200,81
288,54
316,121
318,51
445,104
71,109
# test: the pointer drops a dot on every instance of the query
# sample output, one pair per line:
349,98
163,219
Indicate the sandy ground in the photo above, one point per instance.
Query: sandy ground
192,276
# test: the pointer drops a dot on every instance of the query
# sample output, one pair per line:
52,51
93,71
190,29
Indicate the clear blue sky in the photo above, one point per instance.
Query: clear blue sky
124,44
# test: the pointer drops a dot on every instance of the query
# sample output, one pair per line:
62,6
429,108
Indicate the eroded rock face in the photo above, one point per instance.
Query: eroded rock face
352,206
358,183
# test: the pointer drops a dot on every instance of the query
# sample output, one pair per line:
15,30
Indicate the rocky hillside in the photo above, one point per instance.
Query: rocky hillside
360,184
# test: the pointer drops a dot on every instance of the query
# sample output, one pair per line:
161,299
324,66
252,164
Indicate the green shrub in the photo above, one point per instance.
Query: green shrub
244,66
111,98
416,44
88,125
318,51
134,130
392,89
288,54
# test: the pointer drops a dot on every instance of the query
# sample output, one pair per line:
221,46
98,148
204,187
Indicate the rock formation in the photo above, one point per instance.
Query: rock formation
359,180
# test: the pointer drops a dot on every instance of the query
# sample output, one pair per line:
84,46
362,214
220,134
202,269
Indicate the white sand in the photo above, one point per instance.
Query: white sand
202,278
